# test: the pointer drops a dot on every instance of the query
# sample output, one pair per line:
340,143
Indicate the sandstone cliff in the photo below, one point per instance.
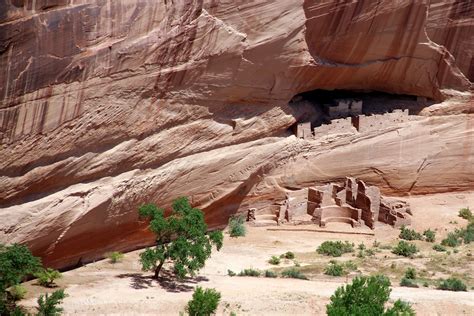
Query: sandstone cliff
108,104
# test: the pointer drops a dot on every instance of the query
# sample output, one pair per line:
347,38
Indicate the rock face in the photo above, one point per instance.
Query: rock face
105,105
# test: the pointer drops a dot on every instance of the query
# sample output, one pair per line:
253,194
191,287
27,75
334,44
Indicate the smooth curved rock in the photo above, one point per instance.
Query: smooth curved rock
105,105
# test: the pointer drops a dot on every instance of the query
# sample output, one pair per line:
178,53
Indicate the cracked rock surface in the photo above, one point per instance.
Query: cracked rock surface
105,105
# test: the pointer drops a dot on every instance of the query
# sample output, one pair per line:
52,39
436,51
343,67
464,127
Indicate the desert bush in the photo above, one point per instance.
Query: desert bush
48,304
249,272
406,282
366,296
370,252
17,292
465,213
410,273
335,248
230,273
204,302
270,274
405,249
46,277
182,237
288,255
425,284
430,235
439,248
409,234
376,244
350,265
467,234
293,273
334,269
452,240
237,226
115,256
274,260
452,284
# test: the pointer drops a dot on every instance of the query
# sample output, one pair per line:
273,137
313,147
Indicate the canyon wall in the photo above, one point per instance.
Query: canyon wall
105,105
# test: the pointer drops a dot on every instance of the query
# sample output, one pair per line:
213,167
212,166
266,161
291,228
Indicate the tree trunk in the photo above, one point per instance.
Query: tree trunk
158,269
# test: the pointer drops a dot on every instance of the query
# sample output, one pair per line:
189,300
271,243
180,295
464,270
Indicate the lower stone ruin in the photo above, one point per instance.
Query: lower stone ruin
354,203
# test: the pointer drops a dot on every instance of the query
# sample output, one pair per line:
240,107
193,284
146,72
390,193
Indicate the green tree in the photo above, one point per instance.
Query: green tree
48,304
204,302
365,296
16,262
181,237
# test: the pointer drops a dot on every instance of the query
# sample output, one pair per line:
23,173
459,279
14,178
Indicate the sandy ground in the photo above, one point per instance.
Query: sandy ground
102,288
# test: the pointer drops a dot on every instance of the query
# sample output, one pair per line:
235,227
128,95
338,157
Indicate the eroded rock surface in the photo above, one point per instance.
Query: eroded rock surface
105,105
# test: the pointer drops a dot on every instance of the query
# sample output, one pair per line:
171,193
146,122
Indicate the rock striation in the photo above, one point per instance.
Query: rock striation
105,105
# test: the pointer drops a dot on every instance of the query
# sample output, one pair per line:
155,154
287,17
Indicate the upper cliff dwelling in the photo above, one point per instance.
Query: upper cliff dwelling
349,112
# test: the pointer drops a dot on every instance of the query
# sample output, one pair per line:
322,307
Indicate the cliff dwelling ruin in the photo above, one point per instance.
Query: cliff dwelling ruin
353,202
348,113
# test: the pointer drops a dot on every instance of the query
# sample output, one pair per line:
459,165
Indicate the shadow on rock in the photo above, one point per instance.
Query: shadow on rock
167,281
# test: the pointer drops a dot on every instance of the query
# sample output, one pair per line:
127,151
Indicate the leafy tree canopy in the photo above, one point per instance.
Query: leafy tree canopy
181,237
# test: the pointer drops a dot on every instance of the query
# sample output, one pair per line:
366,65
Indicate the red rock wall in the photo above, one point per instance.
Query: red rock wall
105,105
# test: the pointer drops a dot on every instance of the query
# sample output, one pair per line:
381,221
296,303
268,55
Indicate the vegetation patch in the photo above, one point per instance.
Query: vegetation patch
409,234
405,249
334,269
237,226
335,248
452,284
204,302
115,256
293,273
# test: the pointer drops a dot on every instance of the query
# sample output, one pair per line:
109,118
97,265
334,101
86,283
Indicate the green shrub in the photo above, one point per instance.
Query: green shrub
250,272
452,240
350,265
288,255
17,292
366,296
405,249
48,304
230,273
274,260
270,274
410,273
409,234
204,302
334,269
425,284
46,277
465,213
115,256
408,282
361,246
439,248
452,284
293,273
237,226
430,235
335,248
467,234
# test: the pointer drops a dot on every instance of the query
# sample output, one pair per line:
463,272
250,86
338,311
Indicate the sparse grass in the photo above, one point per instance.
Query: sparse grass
293,273
231,273
452,240
335,248
410,273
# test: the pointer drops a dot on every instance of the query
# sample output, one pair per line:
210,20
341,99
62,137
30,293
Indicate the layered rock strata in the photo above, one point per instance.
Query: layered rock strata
105,105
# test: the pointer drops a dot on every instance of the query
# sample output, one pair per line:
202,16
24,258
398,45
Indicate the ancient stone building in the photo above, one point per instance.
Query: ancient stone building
303,130
355,203
366,123
344,108
337,126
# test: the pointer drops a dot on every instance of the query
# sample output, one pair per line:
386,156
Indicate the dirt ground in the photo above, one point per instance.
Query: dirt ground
102,288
